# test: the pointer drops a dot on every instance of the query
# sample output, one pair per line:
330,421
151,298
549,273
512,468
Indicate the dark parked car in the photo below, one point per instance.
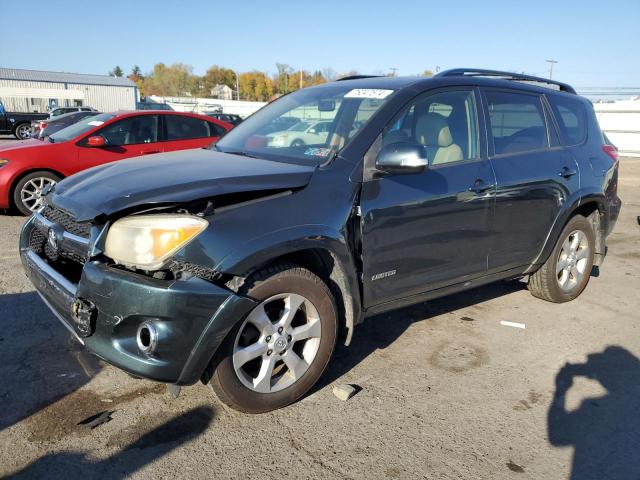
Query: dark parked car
152,106
44,128
234,120
56,112
241,265
18,124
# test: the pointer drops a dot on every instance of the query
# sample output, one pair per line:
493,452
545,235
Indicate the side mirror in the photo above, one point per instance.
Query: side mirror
402,158
96,141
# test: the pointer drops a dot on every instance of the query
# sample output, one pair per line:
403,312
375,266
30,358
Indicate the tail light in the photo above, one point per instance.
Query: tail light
43,125
611,151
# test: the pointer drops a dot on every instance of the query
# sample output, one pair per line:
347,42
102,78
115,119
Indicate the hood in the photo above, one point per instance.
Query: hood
175,177
22,145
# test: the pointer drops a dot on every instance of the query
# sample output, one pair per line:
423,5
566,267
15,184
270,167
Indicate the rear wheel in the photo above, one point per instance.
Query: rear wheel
297,143
27,194
22,131
275,355
566,272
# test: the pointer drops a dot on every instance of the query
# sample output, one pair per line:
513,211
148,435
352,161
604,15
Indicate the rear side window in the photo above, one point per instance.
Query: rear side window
572,119
183,128
517,122
216,130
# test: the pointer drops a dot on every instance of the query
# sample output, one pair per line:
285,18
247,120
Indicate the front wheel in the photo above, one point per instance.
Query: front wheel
275,355
22,131
566,272
27,194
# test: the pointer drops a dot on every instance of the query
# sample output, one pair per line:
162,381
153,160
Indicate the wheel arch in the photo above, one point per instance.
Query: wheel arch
590,206
21,175
326,256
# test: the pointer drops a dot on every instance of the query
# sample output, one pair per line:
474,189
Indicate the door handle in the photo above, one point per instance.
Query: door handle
567,172
149,153
480,186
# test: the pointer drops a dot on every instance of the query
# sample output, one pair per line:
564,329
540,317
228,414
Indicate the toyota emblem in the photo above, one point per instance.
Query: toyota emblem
53,239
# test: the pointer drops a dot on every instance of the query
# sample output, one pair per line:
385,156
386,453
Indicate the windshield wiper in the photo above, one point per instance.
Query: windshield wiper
240,153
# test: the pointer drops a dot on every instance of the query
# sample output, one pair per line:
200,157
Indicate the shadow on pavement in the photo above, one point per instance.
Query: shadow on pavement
40,362
149,447
380,331
604,431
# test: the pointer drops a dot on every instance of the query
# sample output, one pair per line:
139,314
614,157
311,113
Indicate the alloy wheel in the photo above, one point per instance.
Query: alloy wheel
277,343
31,192
24,131
572,260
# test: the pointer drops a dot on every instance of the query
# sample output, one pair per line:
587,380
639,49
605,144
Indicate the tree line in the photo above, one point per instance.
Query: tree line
178,80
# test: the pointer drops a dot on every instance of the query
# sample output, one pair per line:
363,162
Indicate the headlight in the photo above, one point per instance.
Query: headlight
147,241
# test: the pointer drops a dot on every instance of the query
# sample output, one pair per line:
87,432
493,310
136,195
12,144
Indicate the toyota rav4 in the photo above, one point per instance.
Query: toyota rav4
243,264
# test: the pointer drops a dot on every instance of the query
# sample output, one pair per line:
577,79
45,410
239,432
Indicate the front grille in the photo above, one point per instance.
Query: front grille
68,223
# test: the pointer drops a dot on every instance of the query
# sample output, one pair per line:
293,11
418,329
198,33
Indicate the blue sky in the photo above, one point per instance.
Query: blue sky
596,43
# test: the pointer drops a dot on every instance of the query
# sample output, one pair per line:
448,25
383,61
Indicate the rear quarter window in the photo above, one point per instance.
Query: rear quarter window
571,115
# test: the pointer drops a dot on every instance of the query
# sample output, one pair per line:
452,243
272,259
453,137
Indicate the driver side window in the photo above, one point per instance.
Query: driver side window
131,131
446,123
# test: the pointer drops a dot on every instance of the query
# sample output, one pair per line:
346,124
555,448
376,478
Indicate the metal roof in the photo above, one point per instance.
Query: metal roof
62,77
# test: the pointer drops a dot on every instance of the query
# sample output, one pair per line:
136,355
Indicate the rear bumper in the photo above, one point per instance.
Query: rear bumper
192,317
613,206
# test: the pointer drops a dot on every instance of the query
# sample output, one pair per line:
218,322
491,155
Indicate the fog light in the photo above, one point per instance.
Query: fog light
147,337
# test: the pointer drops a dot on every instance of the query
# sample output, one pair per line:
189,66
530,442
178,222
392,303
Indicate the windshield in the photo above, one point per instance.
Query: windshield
80,127
281,130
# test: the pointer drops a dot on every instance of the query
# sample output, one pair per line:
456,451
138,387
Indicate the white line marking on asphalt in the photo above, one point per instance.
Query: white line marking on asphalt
513,324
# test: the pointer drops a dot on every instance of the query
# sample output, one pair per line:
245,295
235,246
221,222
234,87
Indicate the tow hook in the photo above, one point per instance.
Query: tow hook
84,313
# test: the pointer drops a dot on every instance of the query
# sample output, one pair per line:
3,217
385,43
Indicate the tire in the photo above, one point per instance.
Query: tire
566,272
22,131
32,184
241,383
297,143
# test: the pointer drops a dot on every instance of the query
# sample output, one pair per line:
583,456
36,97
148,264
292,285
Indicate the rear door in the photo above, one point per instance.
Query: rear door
129,137
426,230
534,175
181,132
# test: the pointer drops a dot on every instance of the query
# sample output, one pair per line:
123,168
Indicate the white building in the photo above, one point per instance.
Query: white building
40,91
223,92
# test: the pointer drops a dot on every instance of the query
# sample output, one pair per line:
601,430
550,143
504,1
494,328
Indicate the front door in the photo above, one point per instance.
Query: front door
126,138
427,230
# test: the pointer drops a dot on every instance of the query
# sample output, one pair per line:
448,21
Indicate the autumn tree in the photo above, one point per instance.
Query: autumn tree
173,81
427,73
255,86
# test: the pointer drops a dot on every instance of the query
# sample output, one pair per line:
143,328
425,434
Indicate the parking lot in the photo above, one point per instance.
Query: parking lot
444,391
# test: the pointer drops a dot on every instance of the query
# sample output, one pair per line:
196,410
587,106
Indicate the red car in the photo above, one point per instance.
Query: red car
27,167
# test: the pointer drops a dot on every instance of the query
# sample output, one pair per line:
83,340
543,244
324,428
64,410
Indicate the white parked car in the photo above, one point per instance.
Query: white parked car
300,134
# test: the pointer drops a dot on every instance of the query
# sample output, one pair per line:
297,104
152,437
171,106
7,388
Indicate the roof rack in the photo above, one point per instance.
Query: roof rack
357,77
478,72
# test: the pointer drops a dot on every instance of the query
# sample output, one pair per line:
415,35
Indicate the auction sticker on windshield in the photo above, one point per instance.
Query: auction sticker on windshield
376,93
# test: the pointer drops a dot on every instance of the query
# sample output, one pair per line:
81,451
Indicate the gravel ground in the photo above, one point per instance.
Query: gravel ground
445,391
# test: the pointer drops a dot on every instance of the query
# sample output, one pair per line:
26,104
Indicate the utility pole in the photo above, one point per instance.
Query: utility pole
300,77
393,71
551,62
237,87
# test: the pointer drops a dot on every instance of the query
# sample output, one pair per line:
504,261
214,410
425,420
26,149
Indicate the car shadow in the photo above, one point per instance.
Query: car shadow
148,448
380,331
604,431
40,361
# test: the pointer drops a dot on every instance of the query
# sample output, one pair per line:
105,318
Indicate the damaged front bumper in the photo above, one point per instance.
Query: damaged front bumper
106,308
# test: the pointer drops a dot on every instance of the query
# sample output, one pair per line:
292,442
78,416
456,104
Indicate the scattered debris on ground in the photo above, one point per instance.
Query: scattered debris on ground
96,420
345,392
